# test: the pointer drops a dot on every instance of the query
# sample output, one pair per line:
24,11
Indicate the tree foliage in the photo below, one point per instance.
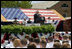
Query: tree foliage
16,4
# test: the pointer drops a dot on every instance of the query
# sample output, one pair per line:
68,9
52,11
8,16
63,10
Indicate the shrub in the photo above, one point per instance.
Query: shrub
27,29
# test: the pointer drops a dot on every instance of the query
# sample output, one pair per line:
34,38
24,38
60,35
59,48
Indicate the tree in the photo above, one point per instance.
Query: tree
25,4
16,4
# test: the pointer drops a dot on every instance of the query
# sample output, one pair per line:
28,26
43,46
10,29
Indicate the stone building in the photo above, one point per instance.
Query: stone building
63,7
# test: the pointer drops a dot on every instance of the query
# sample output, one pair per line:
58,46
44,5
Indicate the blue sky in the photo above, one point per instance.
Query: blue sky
37,1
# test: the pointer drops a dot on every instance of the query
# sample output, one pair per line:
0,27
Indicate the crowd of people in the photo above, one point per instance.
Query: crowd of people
30,42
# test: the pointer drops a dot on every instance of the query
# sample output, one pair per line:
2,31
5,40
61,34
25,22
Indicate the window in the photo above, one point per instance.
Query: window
64,5
64,15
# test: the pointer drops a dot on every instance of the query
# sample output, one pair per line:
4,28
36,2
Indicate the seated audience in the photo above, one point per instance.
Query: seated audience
24,43
65,42
56,36
65,37
37,41
56,45
43,38
43,44
56,41
31,45
65,45
31,40
50,42
27,37
17,43
11,40
34,41
34,35
69,39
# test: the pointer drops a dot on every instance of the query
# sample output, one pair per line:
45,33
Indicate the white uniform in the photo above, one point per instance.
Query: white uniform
10,45
25,47
50,45
38,46
1,46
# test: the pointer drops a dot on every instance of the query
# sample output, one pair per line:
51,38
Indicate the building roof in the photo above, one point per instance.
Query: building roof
44,5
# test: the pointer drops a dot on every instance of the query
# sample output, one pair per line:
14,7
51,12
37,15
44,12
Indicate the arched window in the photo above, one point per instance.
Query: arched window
64,5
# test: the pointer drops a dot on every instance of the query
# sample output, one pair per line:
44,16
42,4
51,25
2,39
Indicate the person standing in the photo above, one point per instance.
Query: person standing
42,19
15,21
24,22
36,17
29,21
49,20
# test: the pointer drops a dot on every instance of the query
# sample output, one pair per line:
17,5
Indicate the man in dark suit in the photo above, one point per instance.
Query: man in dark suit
29,21
36,17
42,19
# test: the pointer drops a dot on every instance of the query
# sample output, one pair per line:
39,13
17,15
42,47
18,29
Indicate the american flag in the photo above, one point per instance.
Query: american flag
11,13
44,12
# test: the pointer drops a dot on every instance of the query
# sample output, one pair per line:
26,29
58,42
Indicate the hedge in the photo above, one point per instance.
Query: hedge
27,29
